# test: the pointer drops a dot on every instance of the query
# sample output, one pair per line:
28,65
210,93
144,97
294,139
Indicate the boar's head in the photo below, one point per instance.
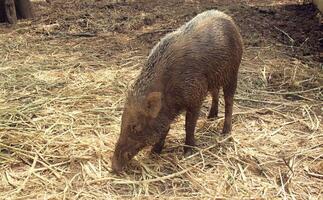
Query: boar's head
138,128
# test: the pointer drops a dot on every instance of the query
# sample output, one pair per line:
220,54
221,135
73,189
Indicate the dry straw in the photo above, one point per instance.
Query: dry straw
62,87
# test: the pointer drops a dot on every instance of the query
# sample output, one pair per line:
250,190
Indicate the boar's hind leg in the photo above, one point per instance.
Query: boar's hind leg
190,123
10,11
158,147
215,104
229,91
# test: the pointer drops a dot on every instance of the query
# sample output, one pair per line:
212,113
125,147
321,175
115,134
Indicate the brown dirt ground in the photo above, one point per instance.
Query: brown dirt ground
63,78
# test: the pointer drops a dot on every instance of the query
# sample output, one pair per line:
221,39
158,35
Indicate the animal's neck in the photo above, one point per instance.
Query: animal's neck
168,112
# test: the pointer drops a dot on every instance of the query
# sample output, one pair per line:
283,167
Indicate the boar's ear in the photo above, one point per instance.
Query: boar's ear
153,104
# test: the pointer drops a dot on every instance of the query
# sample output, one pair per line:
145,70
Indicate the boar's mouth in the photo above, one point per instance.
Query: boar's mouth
122,156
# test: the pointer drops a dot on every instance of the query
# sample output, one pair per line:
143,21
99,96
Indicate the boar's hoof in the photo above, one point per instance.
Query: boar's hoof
212,117
188,151
157,149
226,130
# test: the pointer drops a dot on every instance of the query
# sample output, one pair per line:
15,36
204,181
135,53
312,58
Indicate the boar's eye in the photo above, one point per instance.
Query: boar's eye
128,155
135,128
136,131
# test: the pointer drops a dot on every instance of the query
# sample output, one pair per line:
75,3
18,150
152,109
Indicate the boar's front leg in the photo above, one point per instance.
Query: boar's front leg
158,147
190,123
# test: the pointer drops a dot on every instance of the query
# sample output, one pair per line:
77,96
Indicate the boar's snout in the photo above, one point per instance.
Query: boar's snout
124,152
117,166
119,159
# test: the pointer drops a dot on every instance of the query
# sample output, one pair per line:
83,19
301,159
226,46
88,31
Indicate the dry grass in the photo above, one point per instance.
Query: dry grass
61,98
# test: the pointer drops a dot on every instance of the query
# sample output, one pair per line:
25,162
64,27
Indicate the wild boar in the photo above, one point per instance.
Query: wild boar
201,56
